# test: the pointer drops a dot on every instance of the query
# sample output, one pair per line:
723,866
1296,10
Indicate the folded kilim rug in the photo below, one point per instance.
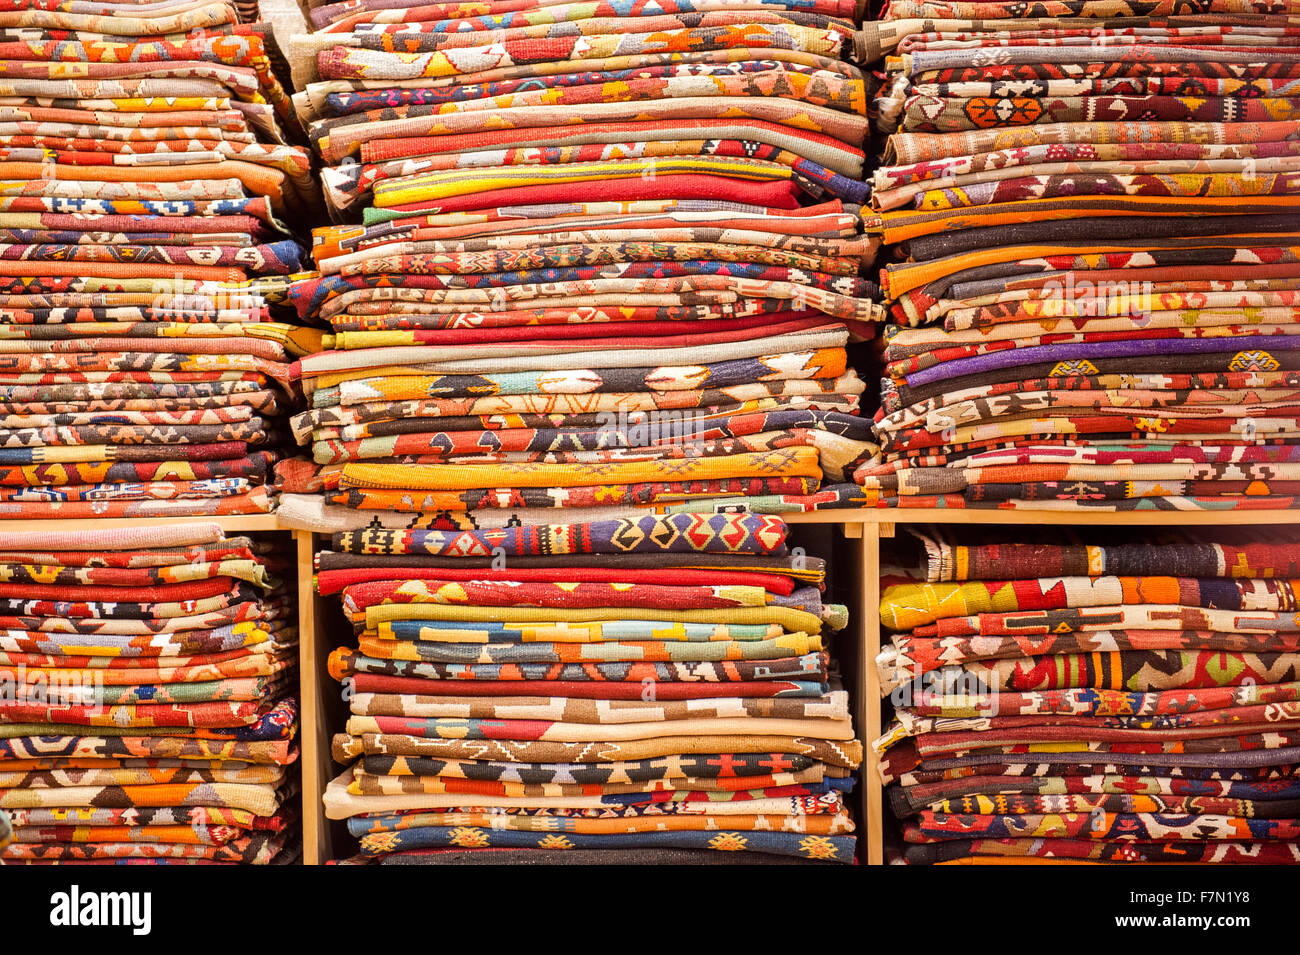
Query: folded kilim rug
1112,714
648,684
129,731
605,256
154,182
1092,279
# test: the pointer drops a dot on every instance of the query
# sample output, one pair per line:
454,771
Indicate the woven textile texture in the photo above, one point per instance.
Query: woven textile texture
150,713
1113,716
650,684
1090,214
152,172
603,256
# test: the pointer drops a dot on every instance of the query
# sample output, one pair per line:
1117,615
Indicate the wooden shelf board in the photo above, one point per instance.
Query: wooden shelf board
857,518
230,522
864,516
905,515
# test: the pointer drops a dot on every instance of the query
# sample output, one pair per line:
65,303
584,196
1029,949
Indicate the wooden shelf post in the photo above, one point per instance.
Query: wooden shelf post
315,734
867,717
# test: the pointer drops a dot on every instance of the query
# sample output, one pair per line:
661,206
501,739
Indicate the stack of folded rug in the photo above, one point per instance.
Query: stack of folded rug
656,685
145,179
1143,705
609,257
146,712
1094,270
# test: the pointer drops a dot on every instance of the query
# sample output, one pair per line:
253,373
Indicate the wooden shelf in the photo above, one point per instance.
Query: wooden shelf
867,526
879,524
904,515
888,516
229,522
884,517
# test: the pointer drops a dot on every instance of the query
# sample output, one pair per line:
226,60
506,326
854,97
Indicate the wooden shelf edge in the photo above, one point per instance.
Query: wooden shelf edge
881,517
228,522
905,515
